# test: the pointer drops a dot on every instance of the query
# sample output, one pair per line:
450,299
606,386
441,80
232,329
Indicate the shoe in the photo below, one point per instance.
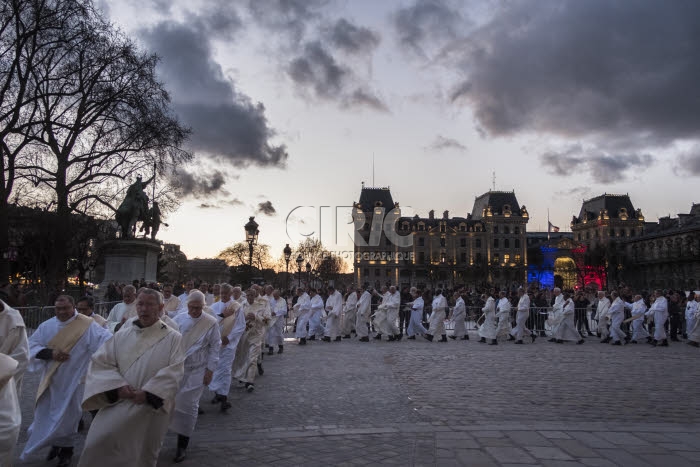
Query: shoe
559,341
347,336
464,338
216,399
302,341
633,342
65,456
511,338
200,411
453,337
533,336
225,405
391,338
664,343
312,338
694,344
364,339
249,387
653,343
685,336
326,339
398,337
443,338
580,342
429,337
260,369
483,340
590,333
552,340
675,339
180,455
378,337
493,342
338,338
53,453
270,350
518,342
411,338
617,343
281,349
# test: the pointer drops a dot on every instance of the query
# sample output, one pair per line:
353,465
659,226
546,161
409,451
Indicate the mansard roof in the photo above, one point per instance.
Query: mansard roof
371,197
614,204
497,200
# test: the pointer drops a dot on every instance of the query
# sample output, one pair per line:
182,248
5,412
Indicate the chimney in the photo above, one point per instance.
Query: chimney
431,214
446,215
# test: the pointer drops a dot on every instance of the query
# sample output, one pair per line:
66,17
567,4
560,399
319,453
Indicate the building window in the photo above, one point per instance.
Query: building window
478,258
404,225
632,233
506,259
496,258
463,257
442,242
421,241
506,230
421,227
421,257
506,243
387,242
495,243
442,228
463,242
366,273
516,259
462,227
517,230
388,273
588,235
517,243
495,229
478,243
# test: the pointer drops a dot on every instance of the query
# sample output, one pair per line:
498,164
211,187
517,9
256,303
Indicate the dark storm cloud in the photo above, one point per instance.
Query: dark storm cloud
193,185
289,17
427,22
366,98
621,70
604,167
442,143
266,208
316,68
351,38
225,123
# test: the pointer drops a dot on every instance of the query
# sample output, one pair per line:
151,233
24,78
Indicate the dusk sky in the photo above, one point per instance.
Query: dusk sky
290,101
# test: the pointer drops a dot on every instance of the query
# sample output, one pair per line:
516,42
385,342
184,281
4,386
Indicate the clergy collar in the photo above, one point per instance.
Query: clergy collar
137,323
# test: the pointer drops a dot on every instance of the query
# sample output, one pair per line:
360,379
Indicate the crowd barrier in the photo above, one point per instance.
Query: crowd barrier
35,315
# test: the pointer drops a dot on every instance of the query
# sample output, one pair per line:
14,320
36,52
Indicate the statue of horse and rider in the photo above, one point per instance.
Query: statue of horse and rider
135,209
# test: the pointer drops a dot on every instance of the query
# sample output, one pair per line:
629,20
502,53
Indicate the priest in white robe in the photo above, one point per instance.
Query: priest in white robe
350,313
231,327
201,342
458,317
275,335
171,303
124,310
132,380
334,309
566,329
691,308
694,332
257,316
364,309
557,314
503,309
10,413
315,316
437,317
487,330
393,303
302,309
616,312
637,317
86,306
601,315
415,325
521,316
379,320
60,348
659,312
13,341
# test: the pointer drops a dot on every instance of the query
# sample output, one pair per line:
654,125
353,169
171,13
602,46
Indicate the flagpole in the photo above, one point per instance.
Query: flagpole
548,225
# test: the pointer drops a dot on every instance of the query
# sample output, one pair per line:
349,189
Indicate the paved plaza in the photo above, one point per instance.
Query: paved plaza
459,403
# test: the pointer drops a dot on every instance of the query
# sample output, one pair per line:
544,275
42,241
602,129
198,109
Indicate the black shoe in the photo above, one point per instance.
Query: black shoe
225,405
429,337
53,453
338,338
482,340
347,336
443,338
312,338
65,456
511,338
411,338
518,342
249,387
493,342
617,343
270,350
216,399
685,336
281,349
653,343
464,338
590,333
398,337
559,341
694,344
675,339
326,339
580,342
664,343
260,369
453,337
200,411
378,337
533,336
302,341
552,340
633,342
391,338
364,339
180,455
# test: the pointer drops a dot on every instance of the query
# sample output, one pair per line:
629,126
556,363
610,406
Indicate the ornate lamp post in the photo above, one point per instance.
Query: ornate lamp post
308,272
287,254
251,237
300,260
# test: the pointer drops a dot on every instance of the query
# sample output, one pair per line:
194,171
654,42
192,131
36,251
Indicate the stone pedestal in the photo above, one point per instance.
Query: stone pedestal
126,260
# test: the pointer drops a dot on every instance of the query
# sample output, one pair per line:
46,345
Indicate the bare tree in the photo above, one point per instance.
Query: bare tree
239,254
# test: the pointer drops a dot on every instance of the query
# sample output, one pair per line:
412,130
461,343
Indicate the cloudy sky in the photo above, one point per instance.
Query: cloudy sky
291,101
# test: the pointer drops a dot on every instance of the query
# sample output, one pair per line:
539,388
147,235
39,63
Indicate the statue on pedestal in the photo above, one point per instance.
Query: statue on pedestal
134,208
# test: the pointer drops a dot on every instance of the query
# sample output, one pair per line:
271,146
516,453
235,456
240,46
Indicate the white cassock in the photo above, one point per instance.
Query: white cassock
350,313
302,308
659,311
334,308
101,321
124,433
415,325
616,313
231,327
209,299
487,330
694,334
245,363
275,335
201,342
519,331
171,305
437,316
459,314
13,341
638,310
58,410
118,313
364,308
10,413
601,315
557,314
503,314
566,329
393,303
315,325
380,323
691,308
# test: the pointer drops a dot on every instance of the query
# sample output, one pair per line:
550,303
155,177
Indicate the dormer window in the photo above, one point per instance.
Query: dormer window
404,226
421,226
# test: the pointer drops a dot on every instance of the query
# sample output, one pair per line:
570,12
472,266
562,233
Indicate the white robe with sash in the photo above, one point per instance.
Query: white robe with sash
275,335
233,328
245,363
10,413
13,341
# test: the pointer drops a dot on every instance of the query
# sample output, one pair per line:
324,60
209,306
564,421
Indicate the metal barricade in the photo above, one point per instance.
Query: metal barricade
33,316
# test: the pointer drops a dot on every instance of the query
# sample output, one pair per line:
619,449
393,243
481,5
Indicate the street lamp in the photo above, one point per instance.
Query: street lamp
251,237
300,260
308,272
287,254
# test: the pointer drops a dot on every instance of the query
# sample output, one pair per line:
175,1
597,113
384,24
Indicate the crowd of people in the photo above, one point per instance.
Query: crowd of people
142,370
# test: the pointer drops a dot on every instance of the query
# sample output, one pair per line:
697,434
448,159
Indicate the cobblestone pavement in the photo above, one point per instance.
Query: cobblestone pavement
460,403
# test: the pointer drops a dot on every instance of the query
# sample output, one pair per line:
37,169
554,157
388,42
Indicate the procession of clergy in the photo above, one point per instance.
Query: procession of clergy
143,370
